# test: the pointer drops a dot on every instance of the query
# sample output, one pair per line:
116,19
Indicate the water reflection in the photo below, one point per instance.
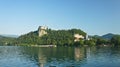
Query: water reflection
80,53
59,57
41,59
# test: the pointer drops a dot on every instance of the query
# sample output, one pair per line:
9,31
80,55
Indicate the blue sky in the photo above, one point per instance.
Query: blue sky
96,17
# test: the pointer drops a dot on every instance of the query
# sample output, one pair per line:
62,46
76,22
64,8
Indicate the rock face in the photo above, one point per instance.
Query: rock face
42,31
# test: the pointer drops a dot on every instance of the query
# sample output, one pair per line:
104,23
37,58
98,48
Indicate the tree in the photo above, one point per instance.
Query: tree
116,40
90,42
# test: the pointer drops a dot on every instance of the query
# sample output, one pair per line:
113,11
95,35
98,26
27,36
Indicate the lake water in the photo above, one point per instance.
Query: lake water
14,56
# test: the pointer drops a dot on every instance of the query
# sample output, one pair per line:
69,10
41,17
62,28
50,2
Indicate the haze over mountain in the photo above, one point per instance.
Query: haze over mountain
108,36
1,36
8,35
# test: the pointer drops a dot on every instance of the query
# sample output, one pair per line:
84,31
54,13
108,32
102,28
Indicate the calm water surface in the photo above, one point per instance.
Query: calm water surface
12,56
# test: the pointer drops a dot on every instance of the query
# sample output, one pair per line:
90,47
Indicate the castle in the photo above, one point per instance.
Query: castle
42,30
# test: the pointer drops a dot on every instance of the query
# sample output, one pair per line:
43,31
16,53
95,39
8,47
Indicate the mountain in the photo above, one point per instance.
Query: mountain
96,36
4,40
1,36
8,35
108,36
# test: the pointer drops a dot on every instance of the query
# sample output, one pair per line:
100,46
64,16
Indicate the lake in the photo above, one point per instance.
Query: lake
18,56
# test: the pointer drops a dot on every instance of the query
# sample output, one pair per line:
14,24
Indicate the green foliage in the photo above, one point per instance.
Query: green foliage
7,41
30,38
79,43
100,41
116,40
90,42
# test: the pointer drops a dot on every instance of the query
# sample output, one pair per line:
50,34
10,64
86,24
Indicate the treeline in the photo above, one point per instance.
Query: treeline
7,40
115,40
99,41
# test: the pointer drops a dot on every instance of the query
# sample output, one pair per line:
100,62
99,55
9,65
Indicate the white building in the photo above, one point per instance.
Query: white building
78,37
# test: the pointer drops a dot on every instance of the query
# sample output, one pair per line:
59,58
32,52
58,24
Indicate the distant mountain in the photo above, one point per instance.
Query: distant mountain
96,36
1,36
108,36
7,35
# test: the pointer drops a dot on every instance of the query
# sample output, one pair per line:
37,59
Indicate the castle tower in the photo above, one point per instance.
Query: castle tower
42,30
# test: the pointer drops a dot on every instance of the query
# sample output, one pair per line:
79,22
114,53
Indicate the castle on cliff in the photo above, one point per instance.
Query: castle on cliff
42,30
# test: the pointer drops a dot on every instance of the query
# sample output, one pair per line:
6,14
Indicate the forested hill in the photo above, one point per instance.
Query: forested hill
54,37
6,40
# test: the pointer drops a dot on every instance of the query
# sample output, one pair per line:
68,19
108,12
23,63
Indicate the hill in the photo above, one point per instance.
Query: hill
6,40
8,35
54,37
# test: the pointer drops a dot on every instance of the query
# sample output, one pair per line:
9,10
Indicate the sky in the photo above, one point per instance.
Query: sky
95,17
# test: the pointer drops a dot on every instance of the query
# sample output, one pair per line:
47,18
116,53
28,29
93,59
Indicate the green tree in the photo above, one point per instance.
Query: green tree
116,40
90,42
